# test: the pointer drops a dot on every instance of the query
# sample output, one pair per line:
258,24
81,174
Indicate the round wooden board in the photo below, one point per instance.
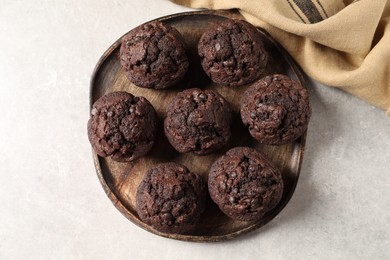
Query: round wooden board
120,180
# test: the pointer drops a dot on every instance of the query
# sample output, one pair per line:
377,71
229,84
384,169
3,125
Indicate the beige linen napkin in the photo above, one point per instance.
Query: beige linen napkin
344,44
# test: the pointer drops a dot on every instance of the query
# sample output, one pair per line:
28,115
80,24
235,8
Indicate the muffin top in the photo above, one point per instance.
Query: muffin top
171,198
153,56
122,125
276,110
244,184
232,53
199,121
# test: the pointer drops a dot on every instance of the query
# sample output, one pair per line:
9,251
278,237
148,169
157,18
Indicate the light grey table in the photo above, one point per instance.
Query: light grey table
52,204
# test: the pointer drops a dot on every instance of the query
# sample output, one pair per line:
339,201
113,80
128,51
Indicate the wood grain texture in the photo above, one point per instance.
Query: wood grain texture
120,180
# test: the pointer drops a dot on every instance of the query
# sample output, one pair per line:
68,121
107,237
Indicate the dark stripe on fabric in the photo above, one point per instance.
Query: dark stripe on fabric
310,10
292,7
319,3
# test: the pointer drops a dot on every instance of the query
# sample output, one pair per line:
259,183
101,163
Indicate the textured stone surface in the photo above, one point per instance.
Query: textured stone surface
53,206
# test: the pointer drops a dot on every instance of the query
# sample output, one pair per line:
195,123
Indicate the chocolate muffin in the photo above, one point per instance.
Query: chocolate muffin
276,110
122,125
232,53
153,56
170,198
198,121
244,184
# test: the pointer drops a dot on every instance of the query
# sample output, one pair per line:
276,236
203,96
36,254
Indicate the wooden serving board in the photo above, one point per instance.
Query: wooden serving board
120,180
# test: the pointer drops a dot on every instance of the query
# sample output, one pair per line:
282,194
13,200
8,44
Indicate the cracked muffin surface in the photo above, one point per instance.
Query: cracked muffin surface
153,56
198,121
171,198
244,184
276,110
122,126
232,53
